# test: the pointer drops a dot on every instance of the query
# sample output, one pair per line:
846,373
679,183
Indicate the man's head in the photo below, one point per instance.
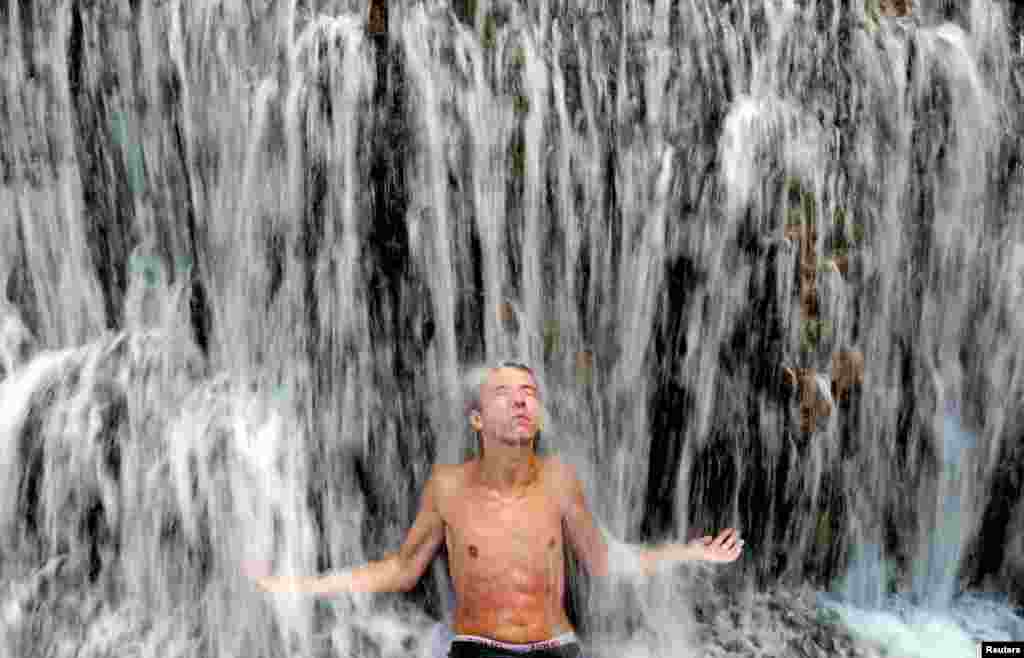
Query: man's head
503,403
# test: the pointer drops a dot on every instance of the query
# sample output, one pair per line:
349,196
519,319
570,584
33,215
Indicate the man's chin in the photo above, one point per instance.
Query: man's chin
518,441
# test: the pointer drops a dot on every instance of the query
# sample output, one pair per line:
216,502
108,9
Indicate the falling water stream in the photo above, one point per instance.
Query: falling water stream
248,250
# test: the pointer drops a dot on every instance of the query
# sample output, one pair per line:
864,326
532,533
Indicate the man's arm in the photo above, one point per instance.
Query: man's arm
584,535
395,572
603,555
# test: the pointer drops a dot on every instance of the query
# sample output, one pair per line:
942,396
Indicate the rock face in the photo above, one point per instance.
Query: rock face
847,372
895,7
812,394
377,21
17,345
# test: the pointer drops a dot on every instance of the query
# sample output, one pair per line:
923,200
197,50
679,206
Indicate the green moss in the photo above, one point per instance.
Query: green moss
801,204
812,332
183,267
521,104
584,372
519,57
810,208
872,15
794,189
146,267
135,168
828,616
552,335
843,241
119,128
489,36
823,531
517,157
281,393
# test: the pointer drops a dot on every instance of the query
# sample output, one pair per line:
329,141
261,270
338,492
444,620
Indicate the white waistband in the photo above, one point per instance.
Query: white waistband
560,640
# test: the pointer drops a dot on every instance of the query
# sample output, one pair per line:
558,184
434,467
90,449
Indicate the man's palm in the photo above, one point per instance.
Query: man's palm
724,548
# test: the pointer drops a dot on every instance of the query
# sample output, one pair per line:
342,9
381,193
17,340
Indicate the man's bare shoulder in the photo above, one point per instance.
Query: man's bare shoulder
555,466
447,478
560,478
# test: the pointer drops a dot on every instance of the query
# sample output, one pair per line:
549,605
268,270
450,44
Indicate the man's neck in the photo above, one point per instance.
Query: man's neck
508,469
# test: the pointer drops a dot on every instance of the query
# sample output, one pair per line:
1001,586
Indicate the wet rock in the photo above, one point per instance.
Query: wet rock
895,7
377,20
847,373
584,368
17,344
813,394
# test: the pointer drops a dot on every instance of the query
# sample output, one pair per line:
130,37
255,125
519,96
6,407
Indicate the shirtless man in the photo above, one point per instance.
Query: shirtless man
502,517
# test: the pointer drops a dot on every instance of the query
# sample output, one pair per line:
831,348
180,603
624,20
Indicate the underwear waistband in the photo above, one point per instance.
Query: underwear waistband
558,641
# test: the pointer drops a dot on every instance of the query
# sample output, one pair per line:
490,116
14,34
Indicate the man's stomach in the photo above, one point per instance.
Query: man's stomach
514,617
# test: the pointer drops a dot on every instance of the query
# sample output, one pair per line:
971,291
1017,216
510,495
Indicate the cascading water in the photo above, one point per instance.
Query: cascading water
247,249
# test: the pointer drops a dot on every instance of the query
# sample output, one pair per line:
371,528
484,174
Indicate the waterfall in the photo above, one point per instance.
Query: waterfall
764,255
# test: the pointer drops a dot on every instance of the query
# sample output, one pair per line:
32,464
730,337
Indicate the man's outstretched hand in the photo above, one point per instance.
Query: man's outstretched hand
726,547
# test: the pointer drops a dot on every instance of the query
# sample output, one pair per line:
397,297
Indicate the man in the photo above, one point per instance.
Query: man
502,516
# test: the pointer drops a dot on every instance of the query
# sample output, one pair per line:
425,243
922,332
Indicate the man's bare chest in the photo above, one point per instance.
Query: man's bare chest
503,532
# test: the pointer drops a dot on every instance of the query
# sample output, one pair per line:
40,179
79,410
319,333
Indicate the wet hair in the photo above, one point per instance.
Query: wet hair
477,377
474,381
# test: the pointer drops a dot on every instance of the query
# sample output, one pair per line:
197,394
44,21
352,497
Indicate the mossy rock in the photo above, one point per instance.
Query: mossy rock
810,208
517,158
518,57
801,204
793,188
828,616
552,336
812,332
489,32
135,168
183,266
146,267
119,128
823,531
521,104
872,15
584,368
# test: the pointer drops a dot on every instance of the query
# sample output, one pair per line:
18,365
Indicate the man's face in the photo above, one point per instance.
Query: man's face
509,407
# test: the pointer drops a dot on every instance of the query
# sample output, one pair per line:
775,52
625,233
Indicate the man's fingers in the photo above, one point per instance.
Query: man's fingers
729,540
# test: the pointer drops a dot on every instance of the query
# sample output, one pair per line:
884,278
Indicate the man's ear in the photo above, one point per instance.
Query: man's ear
475,421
